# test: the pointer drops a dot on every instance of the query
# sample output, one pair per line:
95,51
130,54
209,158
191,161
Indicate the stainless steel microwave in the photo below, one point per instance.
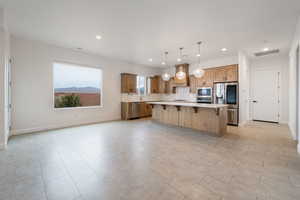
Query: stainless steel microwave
204,92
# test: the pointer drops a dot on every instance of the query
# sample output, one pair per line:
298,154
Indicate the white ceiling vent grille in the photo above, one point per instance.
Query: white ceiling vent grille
265,53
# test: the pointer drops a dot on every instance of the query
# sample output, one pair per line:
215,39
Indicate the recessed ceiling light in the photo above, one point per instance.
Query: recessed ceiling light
98,37
266,49
150,59
223,49
163,63
198,55
178,59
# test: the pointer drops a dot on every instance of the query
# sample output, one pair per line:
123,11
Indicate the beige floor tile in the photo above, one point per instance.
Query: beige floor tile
141,159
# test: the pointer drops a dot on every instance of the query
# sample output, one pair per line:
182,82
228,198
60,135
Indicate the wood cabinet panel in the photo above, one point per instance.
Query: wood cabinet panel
193,84
226,74
131,110
157,113
204,120
185,117
161,85
219,74
128,83
232,73
143,109
170,86
148,110
154,85
158,85
207,80
170,115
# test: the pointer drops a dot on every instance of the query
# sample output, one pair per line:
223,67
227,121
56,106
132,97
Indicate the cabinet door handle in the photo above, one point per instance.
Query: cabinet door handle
254,101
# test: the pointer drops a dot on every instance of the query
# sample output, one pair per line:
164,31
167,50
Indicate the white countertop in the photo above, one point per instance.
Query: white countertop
187,104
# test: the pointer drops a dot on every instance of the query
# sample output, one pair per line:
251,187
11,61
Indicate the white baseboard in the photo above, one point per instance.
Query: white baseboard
241,124
55,127
292,130
284,122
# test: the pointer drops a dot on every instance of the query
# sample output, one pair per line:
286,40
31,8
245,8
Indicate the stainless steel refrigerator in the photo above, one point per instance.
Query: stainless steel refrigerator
227,93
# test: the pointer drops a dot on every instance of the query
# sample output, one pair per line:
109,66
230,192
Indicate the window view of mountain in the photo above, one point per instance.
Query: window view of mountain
78,90
76,86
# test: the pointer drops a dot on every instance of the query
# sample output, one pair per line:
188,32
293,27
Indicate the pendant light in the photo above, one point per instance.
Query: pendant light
180,54
165,76
180,74
199,72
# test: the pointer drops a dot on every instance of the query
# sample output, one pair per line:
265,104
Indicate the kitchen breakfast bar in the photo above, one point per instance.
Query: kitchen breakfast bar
208,118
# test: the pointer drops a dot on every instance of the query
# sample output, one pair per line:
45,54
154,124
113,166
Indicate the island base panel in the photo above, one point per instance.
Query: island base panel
203,119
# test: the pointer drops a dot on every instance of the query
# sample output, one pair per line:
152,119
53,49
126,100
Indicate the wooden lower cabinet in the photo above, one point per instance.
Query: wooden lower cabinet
132,110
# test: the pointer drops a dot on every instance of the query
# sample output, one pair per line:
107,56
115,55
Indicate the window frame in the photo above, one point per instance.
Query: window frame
79,65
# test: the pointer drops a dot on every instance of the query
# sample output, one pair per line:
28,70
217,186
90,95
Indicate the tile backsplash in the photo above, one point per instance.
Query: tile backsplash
136,97
182,93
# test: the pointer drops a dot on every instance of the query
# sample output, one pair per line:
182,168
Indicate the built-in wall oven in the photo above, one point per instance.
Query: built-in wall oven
227,93
205,95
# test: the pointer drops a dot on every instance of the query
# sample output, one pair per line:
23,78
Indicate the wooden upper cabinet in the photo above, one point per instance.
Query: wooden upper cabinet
207,80
226,74
209,77
193,84
158,85
232,73
161,85
154,85
128,83
170,86
219,74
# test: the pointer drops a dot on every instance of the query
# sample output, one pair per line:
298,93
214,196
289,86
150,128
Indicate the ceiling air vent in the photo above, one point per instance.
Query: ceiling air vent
265,53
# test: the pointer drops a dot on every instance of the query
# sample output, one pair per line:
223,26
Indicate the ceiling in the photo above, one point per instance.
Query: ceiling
136,30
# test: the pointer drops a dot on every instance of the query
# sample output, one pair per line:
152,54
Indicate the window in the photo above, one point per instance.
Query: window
141,85
76,86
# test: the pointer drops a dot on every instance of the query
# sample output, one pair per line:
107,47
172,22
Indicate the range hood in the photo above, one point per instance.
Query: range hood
181,78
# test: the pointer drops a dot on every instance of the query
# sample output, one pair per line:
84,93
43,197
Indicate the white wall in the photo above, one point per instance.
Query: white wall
32,92
293,83
4,61
280,62
244,88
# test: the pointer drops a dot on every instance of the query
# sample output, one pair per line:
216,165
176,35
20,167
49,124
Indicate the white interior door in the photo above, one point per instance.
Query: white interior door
266,95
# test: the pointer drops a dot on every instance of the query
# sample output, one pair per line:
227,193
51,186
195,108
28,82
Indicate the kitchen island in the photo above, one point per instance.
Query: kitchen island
210,118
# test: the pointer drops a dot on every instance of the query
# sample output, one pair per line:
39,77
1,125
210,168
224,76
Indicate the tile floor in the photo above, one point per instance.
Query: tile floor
142,160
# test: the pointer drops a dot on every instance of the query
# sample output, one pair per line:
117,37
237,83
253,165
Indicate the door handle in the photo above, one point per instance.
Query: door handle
254,101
